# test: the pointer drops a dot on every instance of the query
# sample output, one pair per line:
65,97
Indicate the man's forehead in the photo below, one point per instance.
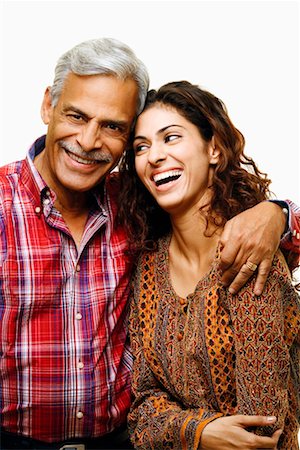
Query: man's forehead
108,89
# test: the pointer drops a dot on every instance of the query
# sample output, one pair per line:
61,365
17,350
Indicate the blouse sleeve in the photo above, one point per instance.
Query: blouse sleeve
156,420
267,343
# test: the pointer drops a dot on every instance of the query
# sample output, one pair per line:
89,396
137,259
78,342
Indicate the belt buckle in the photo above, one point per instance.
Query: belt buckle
73,447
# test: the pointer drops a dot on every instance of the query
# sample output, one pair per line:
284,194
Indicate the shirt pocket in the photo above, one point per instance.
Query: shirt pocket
31,282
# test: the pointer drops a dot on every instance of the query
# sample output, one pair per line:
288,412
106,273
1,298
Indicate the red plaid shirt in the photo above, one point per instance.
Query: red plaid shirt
64,358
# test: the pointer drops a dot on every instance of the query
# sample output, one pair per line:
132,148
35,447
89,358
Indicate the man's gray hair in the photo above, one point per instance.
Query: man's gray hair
104,56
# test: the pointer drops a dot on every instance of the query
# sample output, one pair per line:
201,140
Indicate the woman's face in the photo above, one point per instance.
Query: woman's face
172,159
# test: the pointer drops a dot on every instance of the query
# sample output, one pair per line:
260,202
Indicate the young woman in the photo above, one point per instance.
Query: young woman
207,363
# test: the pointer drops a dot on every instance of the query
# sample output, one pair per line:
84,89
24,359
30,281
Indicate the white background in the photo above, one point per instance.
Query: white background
245,52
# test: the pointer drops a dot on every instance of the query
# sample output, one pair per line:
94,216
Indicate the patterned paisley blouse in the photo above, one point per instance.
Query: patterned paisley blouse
211,354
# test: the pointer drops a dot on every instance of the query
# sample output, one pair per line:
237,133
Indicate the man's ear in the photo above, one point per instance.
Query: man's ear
214,152
46,108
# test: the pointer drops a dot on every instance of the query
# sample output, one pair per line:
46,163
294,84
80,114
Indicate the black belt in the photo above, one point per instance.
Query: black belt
118,439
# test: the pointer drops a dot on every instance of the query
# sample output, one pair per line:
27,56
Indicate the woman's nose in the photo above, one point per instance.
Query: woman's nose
156,154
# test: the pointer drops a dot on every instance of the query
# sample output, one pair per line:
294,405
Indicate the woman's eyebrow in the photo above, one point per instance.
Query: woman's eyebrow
159,131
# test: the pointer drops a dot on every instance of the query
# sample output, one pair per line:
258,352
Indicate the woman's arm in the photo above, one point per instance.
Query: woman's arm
267,343
266,332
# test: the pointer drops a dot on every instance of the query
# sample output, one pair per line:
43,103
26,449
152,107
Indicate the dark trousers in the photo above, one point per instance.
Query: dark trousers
117,440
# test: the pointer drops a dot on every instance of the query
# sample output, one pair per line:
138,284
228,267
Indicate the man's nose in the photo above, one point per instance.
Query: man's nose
89,137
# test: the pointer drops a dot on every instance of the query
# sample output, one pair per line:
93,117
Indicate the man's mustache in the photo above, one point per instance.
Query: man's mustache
93,155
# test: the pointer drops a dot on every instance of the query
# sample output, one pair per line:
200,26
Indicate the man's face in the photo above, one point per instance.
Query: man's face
88,130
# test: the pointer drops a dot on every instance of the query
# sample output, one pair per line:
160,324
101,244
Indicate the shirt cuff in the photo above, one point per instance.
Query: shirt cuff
286,208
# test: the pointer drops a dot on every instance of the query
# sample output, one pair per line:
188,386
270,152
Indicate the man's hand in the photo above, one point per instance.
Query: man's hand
251,239
229,433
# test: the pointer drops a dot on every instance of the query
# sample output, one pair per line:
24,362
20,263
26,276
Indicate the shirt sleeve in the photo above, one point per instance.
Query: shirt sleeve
291,239
157,420
267,344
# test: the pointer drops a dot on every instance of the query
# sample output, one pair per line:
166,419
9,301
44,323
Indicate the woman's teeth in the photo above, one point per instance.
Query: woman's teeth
166,177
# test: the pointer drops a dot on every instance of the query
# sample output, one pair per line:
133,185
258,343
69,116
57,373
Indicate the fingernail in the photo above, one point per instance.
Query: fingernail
231,290
271,418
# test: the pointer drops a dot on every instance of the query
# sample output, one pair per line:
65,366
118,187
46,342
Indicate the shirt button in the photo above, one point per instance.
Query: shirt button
179,336
37,209
46,201
80,365
78,268
78,316
182,301
79,415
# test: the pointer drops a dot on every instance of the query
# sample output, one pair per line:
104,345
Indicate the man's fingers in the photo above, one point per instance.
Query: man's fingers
236,278
242,276
229,275
262,275
252,236
230,252
231,260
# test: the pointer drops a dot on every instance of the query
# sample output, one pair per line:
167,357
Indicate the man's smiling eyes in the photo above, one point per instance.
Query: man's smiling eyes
75,117
114,127
108,127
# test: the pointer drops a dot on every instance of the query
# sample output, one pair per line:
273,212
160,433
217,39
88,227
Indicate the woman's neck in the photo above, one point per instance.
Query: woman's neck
191,252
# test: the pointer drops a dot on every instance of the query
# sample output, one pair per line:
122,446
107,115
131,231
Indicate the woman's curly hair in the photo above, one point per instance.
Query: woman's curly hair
237,182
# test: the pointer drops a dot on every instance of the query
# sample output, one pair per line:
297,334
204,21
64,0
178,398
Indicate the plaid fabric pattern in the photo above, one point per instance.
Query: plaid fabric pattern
291,239
64,358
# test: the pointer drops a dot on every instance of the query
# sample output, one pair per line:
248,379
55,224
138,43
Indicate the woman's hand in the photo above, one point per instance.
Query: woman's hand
229,433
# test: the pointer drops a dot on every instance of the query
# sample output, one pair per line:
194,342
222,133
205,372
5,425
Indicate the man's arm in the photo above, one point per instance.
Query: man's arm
252,237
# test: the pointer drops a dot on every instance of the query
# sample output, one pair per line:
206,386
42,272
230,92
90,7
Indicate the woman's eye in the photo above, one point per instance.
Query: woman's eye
140,148
171,137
